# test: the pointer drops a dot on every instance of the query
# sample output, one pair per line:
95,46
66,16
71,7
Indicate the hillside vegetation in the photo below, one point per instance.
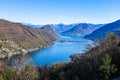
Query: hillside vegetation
99,62
25,37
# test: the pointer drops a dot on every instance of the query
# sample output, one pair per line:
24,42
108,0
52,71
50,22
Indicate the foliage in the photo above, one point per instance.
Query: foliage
28,72
9,74
103,57
107,68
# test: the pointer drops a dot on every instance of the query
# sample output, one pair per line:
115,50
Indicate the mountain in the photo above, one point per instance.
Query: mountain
49,29
101,32
117,32
31,25
59,28
81,29
24,37
77,29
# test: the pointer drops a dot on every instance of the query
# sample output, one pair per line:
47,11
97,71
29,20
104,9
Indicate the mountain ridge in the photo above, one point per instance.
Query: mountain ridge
101,32
82,29
75,29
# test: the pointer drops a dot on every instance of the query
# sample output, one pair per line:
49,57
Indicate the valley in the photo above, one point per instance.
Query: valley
58,52
47,51
59,39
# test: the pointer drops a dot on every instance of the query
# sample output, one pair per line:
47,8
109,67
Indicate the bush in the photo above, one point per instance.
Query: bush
29,72
9,74
107,68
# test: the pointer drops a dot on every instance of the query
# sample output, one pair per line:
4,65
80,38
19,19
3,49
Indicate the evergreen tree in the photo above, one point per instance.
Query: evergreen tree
107,68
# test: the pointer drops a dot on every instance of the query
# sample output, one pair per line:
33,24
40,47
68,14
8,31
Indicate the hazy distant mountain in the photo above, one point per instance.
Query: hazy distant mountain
49,29
81,29
59,28
32,25
78,29
101,32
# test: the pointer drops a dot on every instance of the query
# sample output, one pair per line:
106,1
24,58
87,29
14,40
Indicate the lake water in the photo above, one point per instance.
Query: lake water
59,51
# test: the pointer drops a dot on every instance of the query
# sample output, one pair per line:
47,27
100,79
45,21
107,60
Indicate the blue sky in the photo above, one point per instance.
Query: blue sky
60,11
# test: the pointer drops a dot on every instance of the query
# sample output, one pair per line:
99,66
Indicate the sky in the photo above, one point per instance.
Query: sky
60,11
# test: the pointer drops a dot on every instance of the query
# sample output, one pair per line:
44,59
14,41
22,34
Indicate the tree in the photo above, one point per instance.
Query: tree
107,68
29,72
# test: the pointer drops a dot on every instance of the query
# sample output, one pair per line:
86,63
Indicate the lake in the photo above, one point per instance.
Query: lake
58,52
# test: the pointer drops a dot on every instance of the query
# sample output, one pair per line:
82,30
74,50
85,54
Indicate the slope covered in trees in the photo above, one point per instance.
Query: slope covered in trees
88,66
25,37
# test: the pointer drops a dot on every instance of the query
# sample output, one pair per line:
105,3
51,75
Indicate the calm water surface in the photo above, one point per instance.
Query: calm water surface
59,52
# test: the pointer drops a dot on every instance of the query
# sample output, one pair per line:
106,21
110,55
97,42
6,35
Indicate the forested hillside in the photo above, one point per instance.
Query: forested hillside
27,39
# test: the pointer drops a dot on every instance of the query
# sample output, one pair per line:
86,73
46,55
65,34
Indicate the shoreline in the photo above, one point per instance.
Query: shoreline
27,51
